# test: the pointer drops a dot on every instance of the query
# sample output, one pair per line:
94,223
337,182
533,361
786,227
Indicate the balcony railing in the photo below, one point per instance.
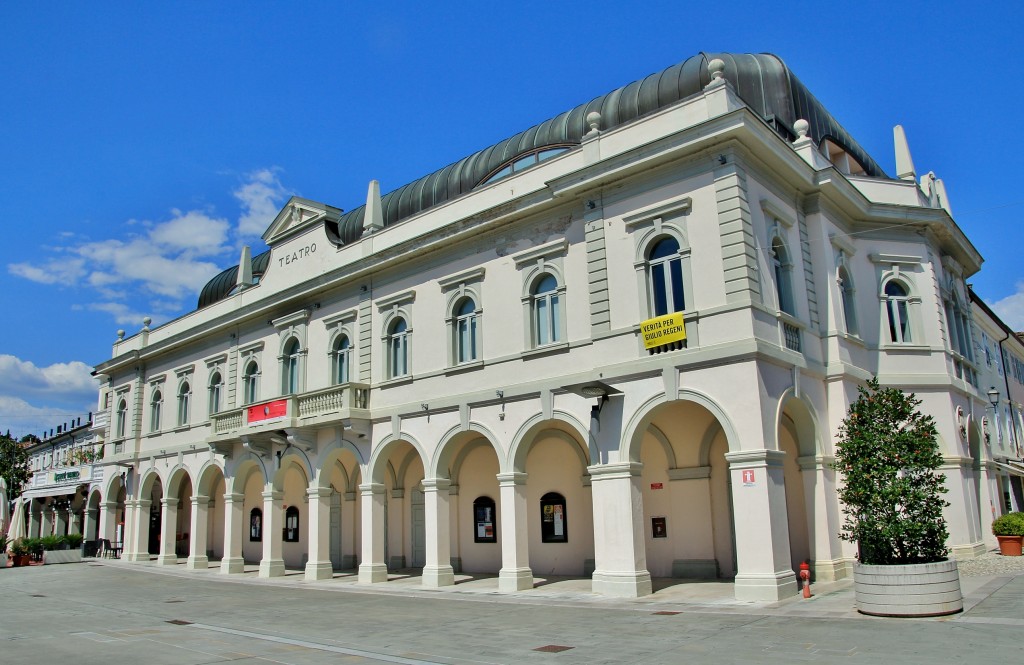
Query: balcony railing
792,336
305,406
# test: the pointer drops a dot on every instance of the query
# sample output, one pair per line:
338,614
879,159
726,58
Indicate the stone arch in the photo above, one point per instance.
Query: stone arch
174,479
804,419
146,480
530,431
242,467
452,440
293,458
112,486
207,477
379,458
333,454
638,423
663,441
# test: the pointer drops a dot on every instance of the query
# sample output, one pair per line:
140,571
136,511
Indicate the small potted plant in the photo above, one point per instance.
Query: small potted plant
20,555
1009,531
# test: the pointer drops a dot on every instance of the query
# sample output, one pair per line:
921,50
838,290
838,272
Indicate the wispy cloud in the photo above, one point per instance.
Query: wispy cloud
261,198
64,381
1011,308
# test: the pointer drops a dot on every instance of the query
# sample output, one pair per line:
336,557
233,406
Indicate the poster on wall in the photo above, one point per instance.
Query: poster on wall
658,527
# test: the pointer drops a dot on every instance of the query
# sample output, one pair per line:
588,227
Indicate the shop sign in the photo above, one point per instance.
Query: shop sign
663,330
69,476
261,413
657,486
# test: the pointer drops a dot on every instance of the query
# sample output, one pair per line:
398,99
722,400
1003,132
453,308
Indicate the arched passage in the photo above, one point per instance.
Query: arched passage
803,475
339,474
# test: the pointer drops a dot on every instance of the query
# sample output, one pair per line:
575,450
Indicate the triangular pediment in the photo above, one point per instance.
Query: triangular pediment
296,215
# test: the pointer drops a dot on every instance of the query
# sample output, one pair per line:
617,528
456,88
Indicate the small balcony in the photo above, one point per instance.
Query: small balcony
332,405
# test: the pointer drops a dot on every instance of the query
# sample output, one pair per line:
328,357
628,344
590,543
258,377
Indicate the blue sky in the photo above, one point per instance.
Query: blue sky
141,144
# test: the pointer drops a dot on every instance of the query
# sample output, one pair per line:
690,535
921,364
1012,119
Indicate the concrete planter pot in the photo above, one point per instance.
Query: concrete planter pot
62,556
1010,545
912,590
3,560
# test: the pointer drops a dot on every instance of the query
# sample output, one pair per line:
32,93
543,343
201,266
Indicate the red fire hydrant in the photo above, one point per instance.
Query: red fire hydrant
805,577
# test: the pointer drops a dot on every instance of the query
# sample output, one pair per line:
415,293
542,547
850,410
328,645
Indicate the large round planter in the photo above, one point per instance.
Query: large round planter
912,590
1010,545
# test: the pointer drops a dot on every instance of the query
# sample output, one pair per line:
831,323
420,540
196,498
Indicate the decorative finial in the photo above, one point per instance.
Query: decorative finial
594,122
145,323
801,126
717,70
120,335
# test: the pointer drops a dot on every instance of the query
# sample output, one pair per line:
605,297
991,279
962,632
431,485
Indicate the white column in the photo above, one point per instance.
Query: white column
822,507
373,569
620,554
761,526
348,531
319,566
232,561
438,571
47,522
197,558
168,528
135,542
73,522
272,563
89,522
515,573
62,520
35,519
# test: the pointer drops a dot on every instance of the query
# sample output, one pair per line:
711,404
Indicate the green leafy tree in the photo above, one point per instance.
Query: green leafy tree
13,465
892,493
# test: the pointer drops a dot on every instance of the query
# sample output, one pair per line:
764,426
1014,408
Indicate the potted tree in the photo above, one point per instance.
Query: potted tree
892,492
20,555
1009,531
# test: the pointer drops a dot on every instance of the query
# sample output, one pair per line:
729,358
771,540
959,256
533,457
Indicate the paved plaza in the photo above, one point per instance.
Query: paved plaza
110,612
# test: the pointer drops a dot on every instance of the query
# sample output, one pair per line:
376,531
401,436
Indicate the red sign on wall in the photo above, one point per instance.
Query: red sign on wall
748,476
269,411
657,486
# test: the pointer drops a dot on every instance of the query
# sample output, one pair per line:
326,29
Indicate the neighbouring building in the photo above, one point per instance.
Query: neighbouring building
618,344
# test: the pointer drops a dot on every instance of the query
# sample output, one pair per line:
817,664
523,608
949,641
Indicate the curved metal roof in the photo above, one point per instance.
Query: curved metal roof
220,286
761,80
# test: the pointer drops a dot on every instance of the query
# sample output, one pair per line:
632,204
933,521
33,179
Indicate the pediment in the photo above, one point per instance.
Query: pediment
297,215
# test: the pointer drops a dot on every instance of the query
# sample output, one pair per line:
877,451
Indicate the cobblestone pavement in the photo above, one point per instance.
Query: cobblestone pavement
991,563
112,612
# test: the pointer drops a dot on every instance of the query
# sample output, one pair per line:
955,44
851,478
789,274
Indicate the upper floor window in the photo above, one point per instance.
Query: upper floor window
782,266
665,272
523,162
156,405
398,348
547,313
846,296
896,298
290,368
122,418
184,396
251,383
216,387
466,331
342,359
961,339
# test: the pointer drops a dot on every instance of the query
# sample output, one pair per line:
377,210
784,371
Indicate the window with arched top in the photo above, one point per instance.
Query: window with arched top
846,297
291,525
398,348
665,277
465,330
342,359
522,162
156,405
122,418
546,310
216,388
255,525
485,520
782,267
896,298
251,383
554,527
290,367
184,397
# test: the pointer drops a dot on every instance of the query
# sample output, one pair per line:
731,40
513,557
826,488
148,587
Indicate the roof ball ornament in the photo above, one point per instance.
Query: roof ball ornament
145,323
594,122
801,128
717,70
120,335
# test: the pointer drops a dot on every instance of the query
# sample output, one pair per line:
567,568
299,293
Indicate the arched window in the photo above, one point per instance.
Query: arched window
291,525
156,405
465,331
184,393
783,269
546,310
122,418
485,520
255,525
896,299
522,162
398,348
553,522
665,275
290,368
846,296
342,359
216,385
251,383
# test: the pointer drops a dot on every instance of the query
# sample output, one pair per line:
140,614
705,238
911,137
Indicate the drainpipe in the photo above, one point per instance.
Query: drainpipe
1006,387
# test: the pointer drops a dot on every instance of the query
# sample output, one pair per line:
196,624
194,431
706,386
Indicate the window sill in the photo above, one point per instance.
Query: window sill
397,381
464,367
182,428
550,349
910,348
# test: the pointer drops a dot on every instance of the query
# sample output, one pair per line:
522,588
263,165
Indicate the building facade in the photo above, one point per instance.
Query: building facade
618,345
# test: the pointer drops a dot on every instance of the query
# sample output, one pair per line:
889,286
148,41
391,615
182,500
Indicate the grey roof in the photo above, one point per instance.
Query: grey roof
761,80
220,286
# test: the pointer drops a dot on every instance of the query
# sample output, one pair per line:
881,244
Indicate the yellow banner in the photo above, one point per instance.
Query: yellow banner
663,330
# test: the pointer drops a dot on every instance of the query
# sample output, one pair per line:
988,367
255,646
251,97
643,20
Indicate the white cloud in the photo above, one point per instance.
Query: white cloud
21,417
54,271
72,380
124,315
260,198
1011,308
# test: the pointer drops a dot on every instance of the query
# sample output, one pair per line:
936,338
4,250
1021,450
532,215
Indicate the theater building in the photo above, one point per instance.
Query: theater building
616,345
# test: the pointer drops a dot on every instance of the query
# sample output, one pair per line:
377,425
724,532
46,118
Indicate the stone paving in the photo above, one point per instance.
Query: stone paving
108,611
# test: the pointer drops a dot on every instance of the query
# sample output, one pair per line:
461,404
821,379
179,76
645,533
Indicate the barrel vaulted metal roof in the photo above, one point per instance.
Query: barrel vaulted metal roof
762,81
